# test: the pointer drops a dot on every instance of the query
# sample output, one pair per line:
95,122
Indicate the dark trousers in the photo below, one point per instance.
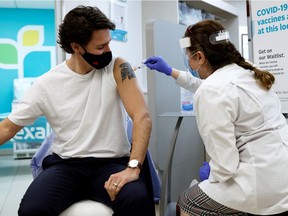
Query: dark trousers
66,181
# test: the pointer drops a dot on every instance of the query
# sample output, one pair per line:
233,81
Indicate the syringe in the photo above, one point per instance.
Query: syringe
142,65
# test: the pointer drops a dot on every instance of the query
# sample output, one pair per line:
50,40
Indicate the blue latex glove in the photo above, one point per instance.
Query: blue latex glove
204,171
159,64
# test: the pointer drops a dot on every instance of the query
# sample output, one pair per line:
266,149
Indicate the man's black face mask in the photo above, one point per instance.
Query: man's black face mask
98,61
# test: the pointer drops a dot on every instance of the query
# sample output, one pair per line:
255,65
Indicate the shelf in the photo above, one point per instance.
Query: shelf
218,8
223,12
25,150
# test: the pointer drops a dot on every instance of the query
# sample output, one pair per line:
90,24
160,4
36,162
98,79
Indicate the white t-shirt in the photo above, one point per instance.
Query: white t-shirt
85,112
246,137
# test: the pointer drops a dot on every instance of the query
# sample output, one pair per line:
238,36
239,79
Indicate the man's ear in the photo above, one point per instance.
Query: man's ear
76,48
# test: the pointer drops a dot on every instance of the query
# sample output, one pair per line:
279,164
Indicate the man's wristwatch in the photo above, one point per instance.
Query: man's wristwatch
132,164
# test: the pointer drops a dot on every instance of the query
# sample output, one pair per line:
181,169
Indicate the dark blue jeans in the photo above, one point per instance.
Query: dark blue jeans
66,181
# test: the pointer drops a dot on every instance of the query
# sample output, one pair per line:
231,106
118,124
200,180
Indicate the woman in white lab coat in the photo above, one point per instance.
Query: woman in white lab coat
240,121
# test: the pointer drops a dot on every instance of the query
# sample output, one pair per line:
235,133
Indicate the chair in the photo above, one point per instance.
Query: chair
89,207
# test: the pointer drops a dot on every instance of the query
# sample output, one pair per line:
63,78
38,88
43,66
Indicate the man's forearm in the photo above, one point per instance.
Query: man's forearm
141,135
8,130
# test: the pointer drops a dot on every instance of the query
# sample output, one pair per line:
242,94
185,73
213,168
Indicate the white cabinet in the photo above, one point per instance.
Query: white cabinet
167,10
224,12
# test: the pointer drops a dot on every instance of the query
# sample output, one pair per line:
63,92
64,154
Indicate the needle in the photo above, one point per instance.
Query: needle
142,65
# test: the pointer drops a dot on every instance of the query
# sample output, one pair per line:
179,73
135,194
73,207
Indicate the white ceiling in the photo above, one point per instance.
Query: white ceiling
47,4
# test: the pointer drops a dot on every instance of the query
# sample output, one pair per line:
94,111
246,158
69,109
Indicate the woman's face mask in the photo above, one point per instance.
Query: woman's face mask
98,61
193,72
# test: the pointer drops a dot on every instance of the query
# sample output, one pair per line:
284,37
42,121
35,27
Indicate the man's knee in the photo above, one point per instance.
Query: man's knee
28,210
31,207
133,192
133,199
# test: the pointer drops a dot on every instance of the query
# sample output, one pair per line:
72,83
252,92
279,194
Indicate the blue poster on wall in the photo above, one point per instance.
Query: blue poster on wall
27,47
119,35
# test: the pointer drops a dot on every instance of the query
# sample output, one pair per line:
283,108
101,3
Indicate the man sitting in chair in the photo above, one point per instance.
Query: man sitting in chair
84,100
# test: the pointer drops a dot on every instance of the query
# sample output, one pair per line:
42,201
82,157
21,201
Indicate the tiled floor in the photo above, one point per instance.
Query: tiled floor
15,177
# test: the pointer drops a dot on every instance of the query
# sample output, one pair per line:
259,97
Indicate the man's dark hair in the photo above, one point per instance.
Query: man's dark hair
79,24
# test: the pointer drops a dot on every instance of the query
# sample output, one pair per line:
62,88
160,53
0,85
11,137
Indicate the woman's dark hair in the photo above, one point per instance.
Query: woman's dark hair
79,24
223,53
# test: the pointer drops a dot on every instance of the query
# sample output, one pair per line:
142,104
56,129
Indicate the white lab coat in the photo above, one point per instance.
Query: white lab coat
246,137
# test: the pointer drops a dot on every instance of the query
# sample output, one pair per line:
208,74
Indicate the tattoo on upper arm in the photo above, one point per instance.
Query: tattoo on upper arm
127,71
